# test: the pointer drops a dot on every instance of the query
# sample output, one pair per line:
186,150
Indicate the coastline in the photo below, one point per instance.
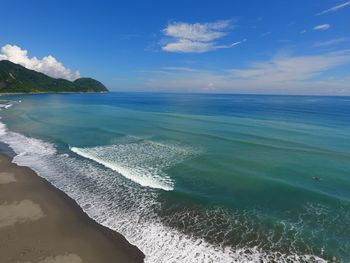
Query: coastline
40,223
63,92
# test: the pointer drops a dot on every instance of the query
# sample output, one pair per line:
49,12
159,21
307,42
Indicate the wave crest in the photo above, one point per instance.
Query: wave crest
143,161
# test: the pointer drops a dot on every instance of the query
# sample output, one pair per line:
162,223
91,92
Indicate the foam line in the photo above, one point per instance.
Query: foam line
133,175
122,206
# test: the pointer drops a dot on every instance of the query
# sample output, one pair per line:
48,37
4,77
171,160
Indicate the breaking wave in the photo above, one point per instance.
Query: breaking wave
125,206
143,162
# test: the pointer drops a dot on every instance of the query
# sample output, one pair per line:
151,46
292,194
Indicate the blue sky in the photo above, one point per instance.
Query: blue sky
279,47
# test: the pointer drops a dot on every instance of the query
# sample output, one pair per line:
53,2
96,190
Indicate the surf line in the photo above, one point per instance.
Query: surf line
145,181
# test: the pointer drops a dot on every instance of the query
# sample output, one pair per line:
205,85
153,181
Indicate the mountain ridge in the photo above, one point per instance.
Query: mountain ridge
15,78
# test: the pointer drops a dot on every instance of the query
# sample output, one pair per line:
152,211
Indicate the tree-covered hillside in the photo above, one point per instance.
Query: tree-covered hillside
16,78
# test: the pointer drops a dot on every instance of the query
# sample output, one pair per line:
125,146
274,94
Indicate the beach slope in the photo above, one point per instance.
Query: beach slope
40,224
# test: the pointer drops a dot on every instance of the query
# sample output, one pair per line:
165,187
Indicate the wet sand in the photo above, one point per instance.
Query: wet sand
40,224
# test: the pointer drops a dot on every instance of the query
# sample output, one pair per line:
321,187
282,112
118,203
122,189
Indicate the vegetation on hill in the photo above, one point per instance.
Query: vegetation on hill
16,78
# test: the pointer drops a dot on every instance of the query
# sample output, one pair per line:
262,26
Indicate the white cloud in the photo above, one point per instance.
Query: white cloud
238,42
322,27
187,46
284,69
330,42
281,74
197,37
197,32
47,65
334,8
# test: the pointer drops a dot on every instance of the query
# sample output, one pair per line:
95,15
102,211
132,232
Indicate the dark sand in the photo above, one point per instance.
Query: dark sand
40,224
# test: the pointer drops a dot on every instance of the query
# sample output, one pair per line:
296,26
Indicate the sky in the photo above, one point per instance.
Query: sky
241,46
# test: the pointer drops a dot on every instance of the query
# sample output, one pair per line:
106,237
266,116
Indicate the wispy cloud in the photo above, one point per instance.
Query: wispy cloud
232,45
198,32
330,42
47,65
188,46
197,37
322,27
334,8
281,74
266,34
292,68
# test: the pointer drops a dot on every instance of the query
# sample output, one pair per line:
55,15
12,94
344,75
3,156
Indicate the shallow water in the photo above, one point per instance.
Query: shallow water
198,178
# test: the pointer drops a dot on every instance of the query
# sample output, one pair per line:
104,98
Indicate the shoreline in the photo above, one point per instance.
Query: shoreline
59,214
48,92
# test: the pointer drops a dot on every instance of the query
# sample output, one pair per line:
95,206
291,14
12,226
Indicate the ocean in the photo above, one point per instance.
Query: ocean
197,177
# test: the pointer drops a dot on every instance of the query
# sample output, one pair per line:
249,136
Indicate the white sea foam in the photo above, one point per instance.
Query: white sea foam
124,206
8,106
5,104
143,162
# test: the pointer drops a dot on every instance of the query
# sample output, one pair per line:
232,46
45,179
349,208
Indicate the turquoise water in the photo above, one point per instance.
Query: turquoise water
198,178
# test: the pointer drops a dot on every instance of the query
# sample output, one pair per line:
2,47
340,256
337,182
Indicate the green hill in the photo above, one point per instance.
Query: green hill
16,78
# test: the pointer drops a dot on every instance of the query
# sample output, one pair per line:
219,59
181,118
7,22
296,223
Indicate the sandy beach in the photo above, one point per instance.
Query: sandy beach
40,224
